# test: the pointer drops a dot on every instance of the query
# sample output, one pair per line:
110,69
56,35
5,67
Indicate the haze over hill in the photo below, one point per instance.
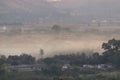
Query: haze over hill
58,11
77,39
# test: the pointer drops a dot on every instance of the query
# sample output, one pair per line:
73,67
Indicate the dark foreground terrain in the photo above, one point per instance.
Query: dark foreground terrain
74,66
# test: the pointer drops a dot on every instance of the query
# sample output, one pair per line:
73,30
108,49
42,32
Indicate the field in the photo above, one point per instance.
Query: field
80,38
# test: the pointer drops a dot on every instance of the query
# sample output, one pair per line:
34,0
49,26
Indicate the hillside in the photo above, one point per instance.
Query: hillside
64,11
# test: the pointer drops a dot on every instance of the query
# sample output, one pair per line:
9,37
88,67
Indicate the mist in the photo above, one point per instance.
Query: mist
79,39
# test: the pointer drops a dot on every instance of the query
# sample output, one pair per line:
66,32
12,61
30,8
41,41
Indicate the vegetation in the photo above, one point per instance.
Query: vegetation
56,28
65,67
22,59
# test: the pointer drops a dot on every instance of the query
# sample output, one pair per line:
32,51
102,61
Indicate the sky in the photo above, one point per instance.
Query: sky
58,10
72,3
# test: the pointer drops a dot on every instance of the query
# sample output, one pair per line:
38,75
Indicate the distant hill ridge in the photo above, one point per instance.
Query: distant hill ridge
64,11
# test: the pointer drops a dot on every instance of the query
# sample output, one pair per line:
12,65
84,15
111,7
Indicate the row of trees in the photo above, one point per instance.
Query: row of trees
13,60
53,65
17,60
111,55
22,59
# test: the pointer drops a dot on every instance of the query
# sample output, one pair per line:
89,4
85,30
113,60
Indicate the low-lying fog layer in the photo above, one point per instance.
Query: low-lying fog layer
79,40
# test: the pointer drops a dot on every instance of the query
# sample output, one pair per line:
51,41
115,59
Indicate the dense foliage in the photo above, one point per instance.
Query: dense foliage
51,68
22,59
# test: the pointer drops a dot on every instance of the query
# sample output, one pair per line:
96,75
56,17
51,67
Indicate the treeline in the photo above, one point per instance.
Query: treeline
111,55
53,66
22,59
18,60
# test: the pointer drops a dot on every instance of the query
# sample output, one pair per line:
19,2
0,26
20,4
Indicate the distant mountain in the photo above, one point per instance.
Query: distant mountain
54,11
91,9
28,11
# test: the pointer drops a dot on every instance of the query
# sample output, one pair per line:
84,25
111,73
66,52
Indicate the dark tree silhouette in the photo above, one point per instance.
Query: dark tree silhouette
56,28
112,52
112,44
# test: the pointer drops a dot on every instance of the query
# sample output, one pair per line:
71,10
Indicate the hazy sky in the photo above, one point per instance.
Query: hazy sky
62,10
22,3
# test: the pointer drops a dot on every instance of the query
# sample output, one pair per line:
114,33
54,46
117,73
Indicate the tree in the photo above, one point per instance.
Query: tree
56,28
112,44
27,59
112,52
95,58
22,59
41,53
13,60
2,66
2,59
